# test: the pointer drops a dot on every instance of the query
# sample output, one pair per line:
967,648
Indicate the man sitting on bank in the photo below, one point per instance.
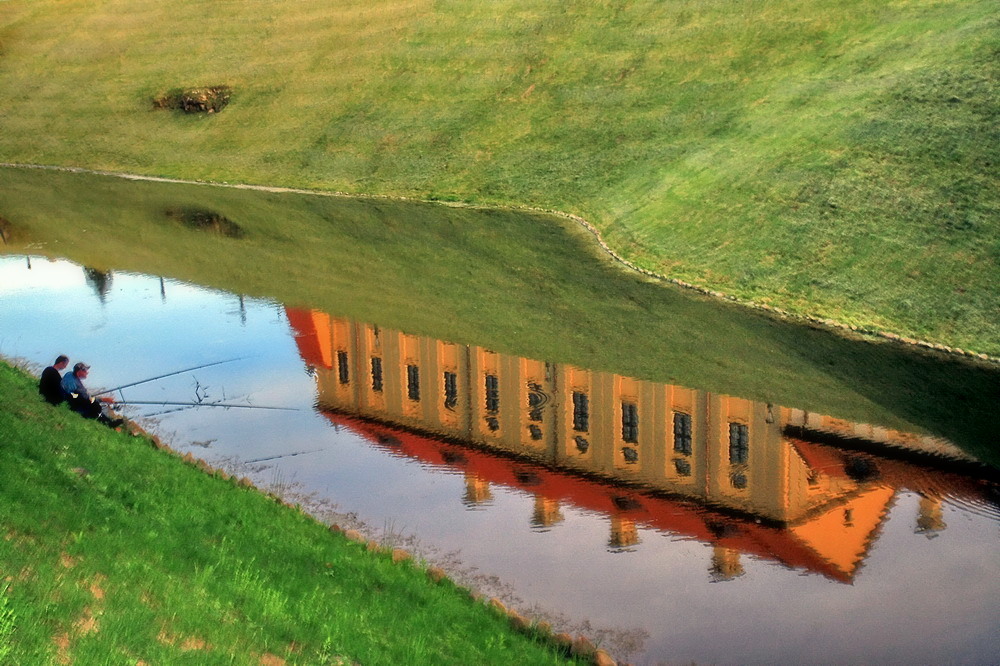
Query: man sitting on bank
50,384
79,398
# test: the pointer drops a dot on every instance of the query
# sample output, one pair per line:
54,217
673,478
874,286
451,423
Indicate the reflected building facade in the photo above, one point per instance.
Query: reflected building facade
744,476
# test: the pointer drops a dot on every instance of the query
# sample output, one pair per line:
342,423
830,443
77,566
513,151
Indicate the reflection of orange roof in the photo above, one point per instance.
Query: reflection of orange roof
312,335
844,534
920,476
665,514
820,458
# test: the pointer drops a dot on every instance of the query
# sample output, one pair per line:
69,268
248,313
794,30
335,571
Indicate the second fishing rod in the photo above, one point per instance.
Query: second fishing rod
164,376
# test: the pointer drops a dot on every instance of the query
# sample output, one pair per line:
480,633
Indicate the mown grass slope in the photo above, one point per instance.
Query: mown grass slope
836,157
112,551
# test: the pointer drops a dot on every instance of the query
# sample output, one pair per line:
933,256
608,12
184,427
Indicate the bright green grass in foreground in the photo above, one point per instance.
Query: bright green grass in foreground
112,552
833,157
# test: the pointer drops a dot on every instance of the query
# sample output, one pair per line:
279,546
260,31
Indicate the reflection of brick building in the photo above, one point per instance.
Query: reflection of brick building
728,453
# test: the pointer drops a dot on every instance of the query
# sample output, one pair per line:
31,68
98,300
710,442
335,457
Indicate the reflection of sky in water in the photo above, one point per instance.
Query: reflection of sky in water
916,600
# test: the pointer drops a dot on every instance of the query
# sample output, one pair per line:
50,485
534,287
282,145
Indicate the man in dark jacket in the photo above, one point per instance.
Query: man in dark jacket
49,385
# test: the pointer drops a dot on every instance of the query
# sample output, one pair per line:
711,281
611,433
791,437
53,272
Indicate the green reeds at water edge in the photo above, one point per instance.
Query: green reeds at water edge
114,551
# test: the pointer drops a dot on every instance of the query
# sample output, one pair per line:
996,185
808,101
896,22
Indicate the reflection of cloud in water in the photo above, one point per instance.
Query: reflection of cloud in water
44,274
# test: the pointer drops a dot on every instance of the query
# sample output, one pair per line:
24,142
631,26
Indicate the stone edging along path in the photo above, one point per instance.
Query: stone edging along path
784,314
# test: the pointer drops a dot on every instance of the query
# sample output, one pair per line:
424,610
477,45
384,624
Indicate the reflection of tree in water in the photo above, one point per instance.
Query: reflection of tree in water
100,282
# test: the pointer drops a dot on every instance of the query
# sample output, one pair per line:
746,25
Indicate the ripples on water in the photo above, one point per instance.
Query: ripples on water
672,523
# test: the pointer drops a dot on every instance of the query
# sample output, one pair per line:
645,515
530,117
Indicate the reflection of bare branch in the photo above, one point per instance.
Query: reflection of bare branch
200,392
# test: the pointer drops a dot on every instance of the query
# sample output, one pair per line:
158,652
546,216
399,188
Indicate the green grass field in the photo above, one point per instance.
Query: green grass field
115,552
836,157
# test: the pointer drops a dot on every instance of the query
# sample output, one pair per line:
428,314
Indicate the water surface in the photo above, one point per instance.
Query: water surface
672,523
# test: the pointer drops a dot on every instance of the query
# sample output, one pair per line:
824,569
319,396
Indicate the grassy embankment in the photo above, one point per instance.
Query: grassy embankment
114,551
831,157
534,287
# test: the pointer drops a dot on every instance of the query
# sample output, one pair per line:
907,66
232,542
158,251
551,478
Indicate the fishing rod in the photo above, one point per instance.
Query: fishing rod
166,403
169,374
173,410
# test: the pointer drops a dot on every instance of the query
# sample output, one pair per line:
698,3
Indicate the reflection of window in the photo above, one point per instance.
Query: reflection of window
492,394
630,422
492,423
581,412
536,400
376,374
682,433
536,432
683,466
739,443
581,444
343,371
450,390
630,454
413,382
739,480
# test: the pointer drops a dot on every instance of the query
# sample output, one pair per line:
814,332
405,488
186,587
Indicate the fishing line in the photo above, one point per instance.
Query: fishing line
283,455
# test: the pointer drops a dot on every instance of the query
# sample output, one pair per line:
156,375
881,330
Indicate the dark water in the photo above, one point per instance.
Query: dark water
669,523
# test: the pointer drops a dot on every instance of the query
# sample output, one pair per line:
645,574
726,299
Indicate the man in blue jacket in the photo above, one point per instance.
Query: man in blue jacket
79,398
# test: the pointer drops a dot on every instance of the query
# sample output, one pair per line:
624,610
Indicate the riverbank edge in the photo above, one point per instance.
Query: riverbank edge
577,647
828,323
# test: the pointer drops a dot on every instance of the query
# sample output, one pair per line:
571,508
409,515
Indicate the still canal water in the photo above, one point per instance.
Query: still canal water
670,523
